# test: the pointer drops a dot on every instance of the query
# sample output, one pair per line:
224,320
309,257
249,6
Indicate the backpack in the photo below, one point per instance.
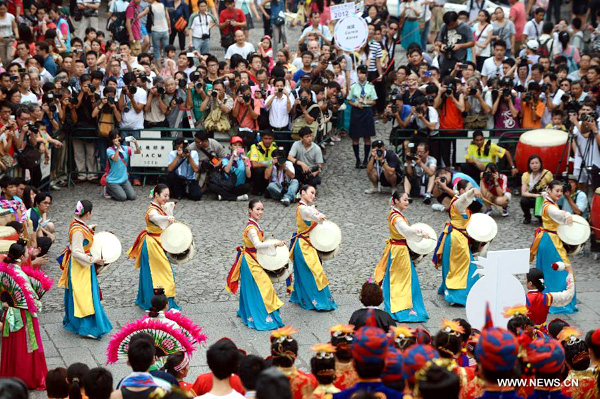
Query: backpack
106,123
118,27
570,60
543,50
149,19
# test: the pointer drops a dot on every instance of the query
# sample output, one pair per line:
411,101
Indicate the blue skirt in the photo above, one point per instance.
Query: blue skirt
145,287
417,314
554,280
410,33
252,309
306,293
451,295
95,325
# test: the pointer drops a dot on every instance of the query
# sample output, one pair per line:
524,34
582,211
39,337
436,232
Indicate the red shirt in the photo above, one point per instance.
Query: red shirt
236,15
518,16
12,7
450,116
132,14
538,305
204,384
502,182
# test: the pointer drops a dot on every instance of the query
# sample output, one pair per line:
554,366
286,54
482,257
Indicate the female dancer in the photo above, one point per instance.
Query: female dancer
549,248
84,314
150,257
259,304
311,287
452,251
401,290
22,350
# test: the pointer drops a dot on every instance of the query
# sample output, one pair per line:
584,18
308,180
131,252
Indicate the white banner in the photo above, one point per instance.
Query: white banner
351,33
155,154
344,10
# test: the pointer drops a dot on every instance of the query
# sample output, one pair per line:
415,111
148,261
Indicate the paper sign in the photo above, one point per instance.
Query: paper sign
45,166
351,33
150,134
344,10
497,286
155,154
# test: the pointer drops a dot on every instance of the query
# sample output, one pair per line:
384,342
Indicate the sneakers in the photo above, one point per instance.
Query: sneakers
438,207
243,197
489,212
427,198
55,187
527,221
219,197
137,183
286,201
505,212
371,190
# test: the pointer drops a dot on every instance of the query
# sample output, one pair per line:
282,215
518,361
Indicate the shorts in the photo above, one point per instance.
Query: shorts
385,183
136,48
144,30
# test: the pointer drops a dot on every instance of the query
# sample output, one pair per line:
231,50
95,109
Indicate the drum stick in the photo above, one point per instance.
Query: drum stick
583,224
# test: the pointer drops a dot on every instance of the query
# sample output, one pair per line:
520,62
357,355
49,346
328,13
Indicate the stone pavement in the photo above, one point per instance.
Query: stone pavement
217,228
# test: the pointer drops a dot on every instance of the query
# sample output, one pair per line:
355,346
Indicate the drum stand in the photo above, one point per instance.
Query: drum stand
188,114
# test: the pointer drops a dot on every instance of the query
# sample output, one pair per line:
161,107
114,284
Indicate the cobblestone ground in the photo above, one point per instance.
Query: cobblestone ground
217,228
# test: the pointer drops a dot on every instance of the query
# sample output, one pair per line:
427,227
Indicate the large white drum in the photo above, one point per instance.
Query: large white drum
178,242
482,229
326,236
276,266
107,247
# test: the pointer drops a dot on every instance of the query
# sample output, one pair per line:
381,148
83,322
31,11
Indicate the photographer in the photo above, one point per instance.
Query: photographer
494,188
183,171
117,178
217,106
307,158
281,175
383,167
245,108
553,95
455,38
305,113
443,189
398,113
237,171
506,107
210,155
175,97
84,149
109,118
478,105
261,156
587,148
533,108
279,106
131,104
450,104
419,173
574,200
481,152
156,108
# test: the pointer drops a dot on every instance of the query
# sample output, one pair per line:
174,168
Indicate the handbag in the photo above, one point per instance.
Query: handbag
300,122
180,24
221,179
227,40
29,157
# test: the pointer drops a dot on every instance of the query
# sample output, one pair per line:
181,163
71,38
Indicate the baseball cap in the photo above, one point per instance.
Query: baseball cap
533,45
236,139
378,143
306,77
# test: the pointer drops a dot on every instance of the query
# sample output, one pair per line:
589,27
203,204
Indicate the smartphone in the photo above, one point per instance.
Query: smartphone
128,139
411,145
427,73
12,118
189,55
21,70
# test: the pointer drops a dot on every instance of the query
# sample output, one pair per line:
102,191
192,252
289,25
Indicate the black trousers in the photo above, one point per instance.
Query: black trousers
230,195
527,204
471,170
181,37
181,187
279,137
306,178
259,183
36,176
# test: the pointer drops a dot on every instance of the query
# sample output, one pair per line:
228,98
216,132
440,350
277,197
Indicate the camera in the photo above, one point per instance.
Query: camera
565,98
315,168
143,77
131,89
73,100
506,92
178,100
410,157
544,87
590,118
246,98
473,91
195,76
443,179
449,90
566,186
262,91
160,90
487,176
181,83
379,152
205,37
92,88
528,97
198,86
111,100
304,101
214,94
32,128
419,109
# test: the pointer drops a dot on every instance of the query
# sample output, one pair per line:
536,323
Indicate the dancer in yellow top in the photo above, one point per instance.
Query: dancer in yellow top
453,252
311,287
150,257
259,304
401,290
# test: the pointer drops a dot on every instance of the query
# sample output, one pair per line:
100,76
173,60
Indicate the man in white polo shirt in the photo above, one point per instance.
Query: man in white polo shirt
493,65
279,106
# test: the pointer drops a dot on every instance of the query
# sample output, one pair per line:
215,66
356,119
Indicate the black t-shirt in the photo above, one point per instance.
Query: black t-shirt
315,112
384,319
392,160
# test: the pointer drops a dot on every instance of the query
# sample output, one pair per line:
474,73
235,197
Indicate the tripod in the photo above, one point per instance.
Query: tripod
189,114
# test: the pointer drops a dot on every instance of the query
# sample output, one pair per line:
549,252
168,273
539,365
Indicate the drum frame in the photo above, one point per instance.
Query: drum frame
183,257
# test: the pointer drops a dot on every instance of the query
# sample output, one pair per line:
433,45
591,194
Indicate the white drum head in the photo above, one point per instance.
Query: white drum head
544,138
326,236
329,255
106,246
575,234
5,245
6,231
482,227
276,262
426,245
176,238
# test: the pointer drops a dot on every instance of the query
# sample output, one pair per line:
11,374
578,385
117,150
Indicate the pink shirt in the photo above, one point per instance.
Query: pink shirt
517,15
132,14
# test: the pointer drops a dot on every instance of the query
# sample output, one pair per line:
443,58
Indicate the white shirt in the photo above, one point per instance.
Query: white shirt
473,7
118,6
201,25
30,98
6,26
482,33
532,29
160,17
490,68
593,153
232,395
556,101
131,119
279,116
321,28
243,51
278,176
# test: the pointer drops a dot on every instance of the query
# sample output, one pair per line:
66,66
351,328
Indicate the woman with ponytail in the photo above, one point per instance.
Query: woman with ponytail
22,353
538,302
84,314
150,257
401,289
75,374
178,365
259,304
548,249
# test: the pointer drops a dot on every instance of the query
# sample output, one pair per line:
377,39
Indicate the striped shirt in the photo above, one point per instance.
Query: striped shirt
375,52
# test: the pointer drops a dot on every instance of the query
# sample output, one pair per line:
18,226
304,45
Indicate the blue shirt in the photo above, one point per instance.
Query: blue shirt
118,169
239,169
185,169
50,65
580,200
374,387
405,112
298,75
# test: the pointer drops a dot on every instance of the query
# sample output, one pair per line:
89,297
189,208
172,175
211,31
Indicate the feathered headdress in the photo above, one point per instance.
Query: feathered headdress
518,310
402,331
569,335
79,208
452,327
323,351
166,338
39,281
283,333
194,330
341,329
496,349
16,287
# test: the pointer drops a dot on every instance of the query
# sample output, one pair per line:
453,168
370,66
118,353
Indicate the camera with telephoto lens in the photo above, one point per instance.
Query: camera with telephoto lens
32,128
410,157
304,101
506,92
143,77
131,89
443,179
49,100
181,83
566,186
195,76
379,152
394,108
565,98
160,90
473,91
199,86
214,94
246,98
590,118
449,90
178,100
528,97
